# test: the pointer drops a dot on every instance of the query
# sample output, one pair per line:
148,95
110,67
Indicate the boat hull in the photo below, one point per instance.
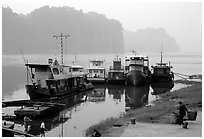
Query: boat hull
96,80
35,92
137,78
116,81
116,77
162,78
161,87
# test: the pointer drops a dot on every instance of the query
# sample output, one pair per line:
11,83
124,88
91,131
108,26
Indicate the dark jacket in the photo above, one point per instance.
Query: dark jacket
182,110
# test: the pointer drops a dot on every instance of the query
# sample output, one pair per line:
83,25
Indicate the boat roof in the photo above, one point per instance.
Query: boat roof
161,63
96,68
142,56
37,65
96,60
76,66
114,71
163,67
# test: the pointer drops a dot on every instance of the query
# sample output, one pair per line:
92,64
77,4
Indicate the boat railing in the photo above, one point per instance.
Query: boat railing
119,69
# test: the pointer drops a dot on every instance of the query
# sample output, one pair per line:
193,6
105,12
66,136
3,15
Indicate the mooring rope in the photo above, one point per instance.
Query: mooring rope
180,76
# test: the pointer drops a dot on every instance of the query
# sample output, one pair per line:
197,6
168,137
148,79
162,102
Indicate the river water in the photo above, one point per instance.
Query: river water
90,107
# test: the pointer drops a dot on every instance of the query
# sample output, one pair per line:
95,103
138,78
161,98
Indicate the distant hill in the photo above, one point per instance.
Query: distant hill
89,32
150,40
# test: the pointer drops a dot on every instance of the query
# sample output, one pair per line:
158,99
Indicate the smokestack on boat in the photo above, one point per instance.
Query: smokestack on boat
50,61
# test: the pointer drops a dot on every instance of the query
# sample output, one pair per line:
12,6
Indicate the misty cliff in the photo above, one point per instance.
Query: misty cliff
150,40
89,32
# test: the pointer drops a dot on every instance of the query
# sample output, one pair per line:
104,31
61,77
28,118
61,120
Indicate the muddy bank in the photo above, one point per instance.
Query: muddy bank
161,112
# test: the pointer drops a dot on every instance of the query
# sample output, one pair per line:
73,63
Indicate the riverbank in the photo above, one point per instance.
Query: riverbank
161,112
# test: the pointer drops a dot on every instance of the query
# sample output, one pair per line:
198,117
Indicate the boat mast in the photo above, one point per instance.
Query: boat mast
27,70
61,36
75,58
161,54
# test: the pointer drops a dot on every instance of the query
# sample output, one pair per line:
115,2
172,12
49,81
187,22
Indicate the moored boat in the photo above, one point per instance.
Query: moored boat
96,71
137,69
162,72
116,74
53,79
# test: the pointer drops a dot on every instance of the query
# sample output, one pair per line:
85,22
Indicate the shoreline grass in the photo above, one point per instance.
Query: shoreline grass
161,112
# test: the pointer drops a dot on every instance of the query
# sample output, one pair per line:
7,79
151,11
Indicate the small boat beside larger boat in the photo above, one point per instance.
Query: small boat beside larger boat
162,72
137,69
96,71
116,74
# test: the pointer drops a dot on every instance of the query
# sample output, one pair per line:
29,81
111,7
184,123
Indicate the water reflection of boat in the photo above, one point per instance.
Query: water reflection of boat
116,91
136,96
59,117
97,95
162,87
116,74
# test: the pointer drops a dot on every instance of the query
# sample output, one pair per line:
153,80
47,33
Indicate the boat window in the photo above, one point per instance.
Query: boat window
101,71
62,82
40,69
75,69
167,70
159,71
55,71
97,63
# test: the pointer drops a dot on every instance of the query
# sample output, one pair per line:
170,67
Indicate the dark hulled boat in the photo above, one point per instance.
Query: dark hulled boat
53,79
116,74
161,87
162,72
137,69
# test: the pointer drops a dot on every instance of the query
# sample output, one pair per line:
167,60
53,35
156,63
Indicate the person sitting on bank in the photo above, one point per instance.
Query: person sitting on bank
26,122
96,133
182,113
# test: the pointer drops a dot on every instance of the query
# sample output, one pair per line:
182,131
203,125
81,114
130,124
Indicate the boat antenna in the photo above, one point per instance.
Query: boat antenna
26,62
135,52
61,36
161,53
75,58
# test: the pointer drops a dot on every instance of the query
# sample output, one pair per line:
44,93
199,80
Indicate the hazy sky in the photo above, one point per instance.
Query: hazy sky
182,20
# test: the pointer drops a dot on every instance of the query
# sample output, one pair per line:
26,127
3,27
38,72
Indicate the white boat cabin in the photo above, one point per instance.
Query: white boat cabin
161,69
45,74
136,62
96,69
76,68
117,64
